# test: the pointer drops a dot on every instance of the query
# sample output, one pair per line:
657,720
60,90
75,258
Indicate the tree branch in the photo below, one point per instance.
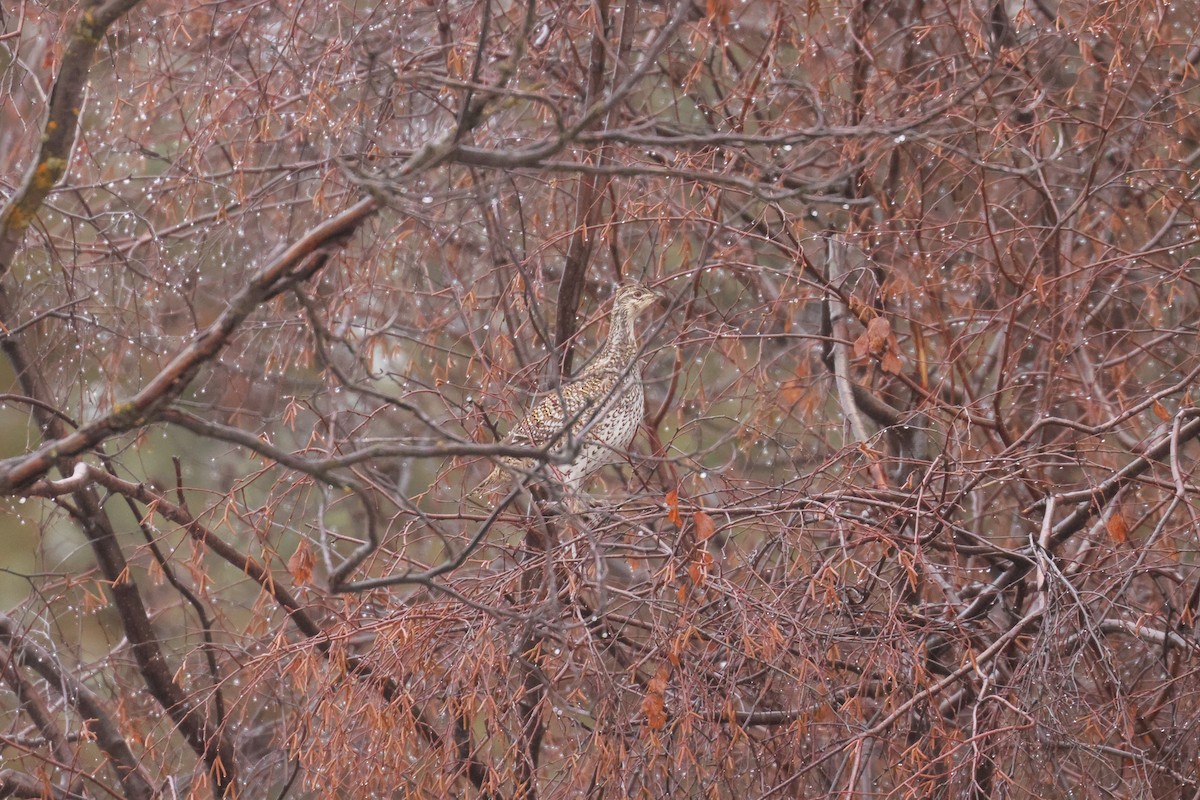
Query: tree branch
108,736
297,263
61,126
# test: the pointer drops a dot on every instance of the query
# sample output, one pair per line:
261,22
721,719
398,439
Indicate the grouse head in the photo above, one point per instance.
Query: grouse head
634,297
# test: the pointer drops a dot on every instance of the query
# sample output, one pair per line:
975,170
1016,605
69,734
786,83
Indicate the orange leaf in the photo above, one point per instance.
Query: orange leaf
1160,411
878,330
862,346
718,11
455,63
654,703
673,508
890,363
1117,528
300,565
705,527
791,393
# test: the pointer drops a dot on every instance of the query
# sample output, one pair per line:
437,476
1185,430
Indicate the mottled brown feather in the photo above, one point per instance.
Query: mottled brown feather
606,401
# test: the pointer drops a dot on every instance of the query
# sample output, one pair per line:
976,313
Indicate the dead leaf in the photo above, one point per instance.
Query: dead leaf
300,565
673,508
862,346
890,363
654,704
705,527
879,329
876,339
1116,527
718,11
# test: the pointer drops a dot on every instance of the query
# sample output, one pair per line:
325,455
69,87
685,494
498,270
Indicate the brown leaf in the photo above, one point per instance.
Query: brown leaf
673,508
862,346
654,705
1117,528
705,527
879,329
1160,411
791,393
875,339
455,63
718,11
300,565
890,363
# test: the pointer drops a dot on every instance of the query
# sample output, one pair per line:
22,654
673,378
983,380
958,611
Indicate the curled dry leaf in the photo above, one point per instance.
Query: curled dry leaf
300,565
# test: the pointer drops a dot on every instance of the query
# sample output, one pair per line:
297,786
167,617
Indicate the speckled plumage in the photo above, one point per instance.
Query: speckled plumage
606,401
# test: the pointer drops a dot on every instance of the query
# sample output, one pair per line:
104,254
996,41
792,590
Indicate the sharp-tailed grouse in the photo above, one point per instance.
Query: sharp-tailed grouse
604,406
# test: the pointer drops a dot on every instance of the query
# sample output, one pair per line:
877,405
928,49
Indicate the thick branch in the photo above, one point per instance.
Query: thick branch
61,127
587,213
180,516
1094,500
18,784
322,467
297,263
91,708
259,573
207,740
841,364
31,703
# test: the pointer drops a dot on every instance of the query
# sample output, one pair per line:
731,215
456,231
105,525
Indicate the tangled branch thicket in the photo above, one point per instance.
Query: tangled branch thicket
913,509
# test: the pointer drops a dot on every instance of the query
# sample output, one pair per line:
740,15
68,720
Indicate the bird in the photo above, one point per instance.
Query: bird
603,405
